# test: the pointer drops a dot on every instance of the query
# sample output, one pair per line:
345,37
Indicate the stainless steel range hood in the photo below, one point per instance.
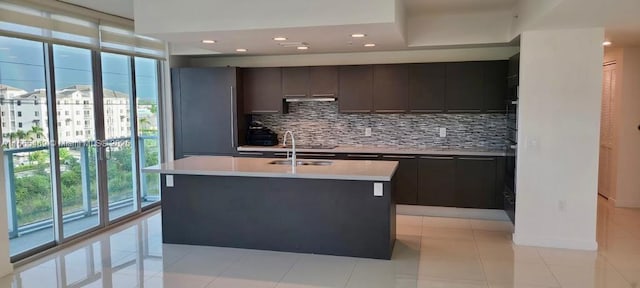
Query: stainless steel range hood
311,99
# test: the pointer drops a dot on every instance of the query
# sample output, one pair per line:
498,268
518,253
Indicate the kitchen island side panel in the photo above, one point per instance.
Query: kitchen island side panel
333,217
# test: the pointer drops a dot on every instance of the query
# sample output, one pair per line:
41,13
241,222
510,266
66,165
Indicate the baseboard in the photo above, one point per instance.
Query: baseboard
451,212
555,242
625,204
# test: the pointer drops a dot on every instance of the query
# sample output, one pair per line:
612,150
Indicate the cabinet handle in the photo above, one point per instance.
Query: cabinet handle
295,95
264,111
437,157
355,111
476,159
233,133
390,111
362,156
463,110
496,110
280,154
315,155
398,156
323,95
251,153
426,110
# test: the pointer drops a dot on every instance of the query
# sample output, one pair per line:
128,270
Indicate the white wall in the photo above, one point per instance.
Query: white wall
170,16
462,28
559,128
627,135
410,56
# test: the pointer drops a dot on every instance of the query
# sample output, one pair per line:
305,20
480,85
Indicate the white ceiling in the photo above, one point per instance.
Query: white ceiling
463,18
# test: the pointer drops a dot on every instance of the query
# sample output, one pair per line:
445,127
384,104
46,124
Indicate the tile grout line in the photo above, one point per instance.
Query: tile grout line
482,264
548,267
298,257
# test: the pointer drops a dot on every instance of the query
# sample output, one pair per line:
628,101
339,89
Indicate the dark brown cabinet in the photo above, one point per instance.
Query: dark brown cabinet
204,96
406,189
427,87
356,89
295,82
317,81
262,90
436,182
464,92
391,88
323,81
476,182
495,86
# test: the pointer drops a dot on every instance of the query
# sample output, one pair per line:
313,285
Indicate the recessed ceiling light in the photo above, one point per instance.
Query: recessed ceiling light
241,50
358,35
280,38
208,41
303,47
606,43
370,45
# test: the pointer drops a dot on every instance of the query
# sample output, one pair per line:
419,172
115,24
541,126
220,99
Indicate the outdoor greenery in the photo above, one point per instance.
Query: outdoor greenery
33,179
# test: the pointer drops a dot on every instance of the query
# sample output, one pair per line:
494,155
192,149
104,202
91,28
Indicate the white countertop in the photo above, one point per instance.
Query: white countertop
381,150
363,170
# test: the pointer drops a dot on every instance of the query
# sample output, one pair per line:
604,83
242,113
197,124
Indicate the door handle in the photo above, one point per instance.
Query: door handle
233,133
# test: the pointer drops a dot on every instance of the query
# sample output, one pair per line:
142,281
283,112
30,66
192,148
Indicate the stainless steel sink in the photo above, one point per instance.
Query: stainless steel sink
302,162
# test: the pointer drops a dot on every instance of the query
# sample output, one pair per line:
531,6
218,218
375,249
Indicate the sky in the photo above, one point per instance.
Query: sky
22,66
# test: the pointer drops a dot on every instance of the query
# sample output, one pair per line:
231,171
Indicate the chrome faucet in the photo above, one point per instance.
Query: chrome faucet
293,149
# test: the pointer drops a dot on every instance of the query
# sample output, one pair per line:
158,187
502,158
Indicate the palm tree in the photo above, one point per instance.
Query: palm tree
21,135
36,132
12,136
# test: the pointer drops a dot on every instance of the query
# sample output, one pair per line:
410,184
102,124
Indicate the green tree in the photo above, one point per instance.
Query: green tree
36,132
20,135
38,157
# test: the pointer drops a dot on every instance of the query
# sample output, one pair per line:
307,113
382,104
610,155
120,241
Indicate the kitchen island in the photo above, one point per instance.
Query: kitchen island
339,207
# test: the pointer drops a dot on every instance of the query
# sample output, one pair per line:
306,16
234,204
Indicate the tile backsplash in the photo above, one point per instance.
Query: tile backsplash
320,123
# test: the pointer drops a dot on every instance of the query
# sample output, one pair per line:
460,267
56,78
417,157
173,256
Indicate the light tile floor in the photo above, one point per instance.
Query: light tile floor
430,252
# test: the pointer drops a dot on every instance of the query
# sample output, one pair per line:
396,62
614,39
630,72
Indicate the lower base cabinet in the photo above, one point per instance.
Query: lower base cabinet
406,190
476,182
445,181
436,181
464,182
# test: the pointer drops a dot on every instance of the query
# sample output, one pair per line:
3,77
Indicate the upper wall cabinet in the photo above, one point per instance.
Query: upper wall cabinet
356,89
320,81
391,88
262,90
295,82
495,86
464,87
476,87
427,87
323,81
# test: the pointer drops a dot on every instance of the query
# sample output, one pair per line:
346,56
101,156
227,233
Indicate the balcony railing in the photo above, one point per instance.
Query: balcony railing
86,150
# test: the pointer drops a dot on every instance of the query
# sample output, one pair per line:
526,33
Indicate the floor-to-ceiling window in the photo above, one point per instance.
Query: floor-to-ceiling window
75,122
80,118
25,134
117,101
147,92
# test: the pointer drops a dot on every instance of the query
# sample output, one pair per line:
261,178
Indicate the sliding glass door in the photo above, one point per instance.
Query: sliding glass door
25,139
147,112
75,135
117,101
